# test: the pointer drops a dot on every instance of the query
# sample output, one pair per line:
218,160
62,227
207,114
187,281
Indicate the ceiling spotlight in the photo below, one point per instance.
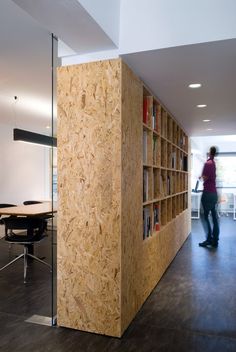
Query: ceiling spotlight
201,106
195,85
48,127
206,120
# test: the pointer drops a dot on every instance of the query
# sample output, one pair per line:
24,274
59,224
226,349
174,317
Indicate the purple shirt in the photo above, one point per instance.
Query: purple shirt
209,176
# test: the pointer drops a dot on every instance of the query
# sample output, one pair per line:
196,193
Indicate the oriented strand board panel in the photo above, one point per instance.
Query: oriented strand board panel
105,269
147,261
89,184
142,262
159,251
131,190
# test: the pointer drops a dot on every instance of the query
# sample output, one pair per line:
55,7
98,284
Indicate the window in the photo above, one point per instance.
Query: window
226,170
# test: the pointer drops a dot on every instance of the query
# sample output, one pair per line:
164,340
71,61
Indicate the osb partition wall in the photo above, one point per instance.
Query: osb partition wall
105,269
89,180
158,252
131,204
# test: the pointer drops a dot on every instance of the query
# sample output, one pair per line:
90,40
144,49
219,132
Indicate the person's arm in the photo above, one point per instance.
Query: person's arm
205,172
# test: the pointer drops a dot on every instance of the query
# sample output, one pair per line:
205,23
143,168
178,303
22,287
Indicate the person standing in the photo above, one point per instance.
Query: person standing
209,201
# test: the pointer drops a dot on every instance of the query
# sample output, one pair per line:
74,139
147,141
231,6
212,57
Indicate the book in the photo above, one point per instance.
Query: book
144,147
146,222
147,109
168,186
156,225
161,186
154,150
155,117
184,141
181,163
185,163
145,185
173,160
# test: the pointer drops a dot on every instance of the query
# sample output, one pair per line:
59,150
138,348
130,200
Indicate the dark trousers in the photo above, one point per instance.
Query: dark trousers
209,202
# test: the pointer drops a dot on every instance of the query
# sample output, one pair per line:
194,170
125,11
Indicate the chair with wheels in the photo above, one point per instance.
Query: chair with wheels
33,233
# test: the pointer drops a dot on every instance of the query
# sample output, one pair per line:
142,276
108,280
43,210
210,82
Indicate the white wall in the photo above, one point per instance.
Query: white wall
25,169
224,143
107,14
201,145
79,59
155,24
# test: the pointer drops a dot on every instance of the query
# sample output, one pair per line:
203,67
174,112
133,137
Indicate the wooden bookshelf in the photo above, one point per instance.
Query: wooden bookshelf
169,154
111,132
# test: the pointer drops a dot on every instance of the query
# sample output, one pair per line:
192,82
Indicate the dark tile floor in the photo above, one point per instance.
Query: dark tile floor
193,308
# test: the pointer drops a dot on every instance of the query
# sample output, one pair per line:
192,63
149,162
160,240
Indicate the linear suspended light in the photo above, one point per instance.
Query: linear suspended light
32,137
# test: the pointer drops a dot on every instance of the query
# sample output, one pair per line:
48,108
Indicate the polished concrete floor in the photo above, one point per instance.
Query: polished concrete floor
193,308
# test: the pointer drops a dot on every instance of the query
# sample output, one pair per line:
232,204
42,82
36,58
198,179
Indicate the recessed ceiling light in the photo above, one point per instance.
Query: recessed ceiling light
209,129
201,106
206,120
195,85
48,127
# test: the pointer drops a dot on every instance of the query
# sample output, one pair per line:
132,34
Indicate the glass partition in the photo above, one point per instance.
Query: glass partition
55,64
28,167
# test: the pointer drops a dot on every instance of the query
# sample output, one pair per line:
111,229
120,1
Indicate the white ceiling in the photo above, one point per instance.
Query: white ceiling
169,71
70,22
25,71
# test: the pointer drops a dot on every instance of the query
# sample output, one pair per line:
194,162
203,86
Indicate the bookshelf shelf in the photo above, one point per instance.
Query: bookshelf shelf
146,127
166,145
148,202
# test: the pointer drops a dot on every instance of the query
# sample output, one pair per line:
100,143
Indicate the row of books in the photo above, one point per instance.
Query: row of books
156,224
151,112
147,221
152,117
183,163
167,186
183,160
145,148
182,142
164,186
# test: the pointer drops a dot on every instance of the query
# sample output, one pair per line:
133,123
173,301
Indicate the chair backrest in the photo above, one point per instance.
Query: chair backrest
28,202
33,226
5,205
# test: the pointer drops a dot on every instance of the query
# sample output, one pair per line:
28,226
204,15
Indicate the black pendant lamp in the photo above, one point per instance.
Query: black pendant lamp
32,137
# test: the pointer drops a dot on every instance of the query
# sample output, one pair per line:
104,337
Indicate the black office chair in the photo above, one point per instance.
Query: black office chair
5,205
34,233
43,217
28,202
